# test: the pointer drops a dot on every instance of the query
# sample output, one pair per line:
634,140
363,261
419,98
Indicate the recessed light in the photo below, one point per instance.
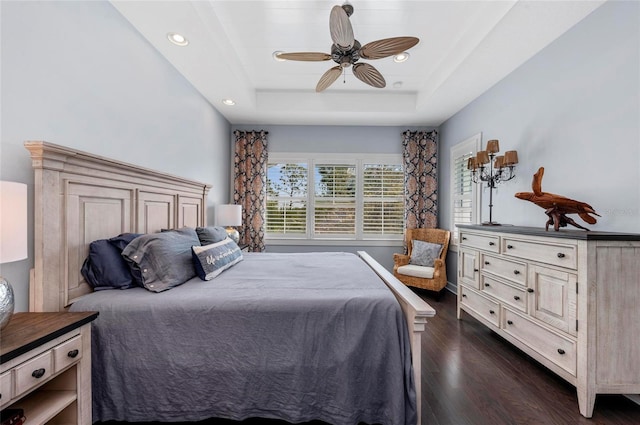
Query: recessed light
177,39
401,57
276,57
228,102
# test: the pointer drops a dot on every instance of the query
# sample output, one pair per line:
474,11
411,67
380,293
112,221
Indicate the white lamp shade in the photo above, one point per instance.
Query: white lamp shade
229,215
13,221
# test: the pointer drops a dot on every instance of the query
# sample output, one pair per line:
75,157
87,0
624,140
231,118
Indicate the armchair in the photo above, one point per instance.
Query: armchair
430,278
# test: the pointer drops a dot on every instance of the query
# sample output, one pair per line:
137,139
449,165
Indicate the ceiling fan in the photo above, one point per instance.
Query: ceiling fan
346,51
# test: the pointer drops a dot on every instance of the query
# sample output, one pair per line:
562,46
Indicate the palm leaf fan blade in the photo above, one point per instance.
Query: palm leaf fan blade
369,75
340,28
304,56
387,47
328,78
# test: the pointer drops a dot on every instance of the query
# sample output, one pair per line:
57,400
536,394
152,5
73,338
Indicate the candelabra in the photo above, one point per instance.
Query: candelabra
500,169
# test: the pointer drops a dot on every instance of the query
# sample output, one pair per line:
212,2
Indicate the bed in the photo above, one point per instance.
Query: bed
253,342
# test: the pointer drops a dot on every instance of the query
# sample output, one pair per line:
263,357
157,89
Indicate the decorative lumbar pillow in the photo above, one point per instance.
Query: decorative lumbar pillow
163,260
104,267
211,260
211,234
424,253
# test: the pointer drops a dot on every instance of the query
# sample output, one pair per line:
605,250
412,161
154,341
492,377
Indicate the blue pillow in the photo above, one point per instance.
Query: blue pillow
211,234
104,267
211,260
163,260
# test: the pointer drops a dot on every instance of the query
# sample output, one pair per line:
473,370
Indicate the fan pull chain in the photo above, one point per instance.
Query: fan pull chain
344,75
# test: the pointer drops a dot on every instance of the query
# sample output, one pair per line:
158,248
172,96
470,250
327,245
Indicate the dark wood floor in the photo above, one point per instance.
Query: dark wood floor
471,376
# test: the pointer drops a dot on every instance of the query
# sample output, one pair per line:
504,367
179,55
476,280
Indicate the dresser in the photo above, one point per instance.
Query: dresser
569,299
45,367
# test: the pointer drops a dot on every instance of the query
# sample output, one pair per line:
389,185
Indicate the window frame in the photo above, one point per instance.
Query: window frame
357,160
471,146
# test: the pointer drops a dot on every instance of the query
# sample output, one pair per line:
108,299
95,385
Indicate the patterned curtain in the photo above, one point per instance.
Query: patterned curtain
420,157
250,185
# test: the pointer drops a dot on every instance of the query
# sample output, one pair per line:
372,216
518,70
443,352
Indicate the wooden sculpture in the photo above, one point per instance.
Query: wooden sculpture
557,206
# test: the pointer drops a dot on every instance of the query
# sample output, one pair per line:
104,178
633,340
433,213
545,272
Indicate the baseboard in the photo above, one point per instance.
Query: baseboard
451,287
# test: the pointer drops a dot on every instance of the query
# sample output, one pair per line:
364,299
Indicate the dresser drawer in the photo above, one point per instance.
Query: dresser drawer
485,242
5,388
480,304
33,372
551,345
511,295
562,255
512,270
67,353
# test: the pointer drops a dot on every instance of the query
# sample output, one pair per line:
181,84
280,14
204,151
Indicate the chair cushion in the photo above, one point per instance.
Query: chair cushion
416,271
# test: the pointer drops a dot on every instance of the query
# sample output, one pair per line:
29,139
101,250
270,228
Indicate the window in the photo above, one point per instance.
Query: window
464,193
314,196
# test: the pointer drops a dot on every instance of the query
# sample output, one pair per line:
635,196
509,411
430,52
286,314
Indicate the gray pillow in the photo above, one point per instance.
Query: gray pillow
211,234
162,259
213,259
424,253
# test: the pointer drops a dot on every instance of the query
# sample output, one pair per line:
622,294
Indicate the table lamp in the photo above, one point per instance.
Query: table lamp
13,238
229,215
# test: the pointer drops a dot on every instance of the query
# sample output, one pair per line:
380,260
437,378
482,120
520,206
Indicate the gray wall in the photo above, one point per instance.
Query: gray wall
574,109
332,139
77,74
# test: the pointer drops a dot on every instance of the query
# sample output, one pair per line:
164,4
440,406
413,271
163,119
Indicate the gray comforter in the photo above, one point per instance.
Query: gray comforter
290,336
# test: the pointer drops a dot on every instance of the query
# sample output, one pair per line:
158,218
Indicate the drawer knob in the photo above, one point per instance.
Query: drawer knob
464,295
509,322
487,285
73,353
560,351
486,263
492,243
38,373
476,270
516,272
509,246
560,255
530,290
492,312
464,238
515,297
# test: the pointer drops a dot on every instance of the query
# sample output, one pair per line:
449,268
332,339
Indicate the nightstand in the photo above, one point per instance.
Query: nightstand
45,367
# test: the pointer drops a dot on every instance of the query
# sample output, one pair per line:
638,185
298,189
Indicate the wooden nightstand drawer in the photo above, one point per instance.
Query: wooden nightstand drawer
33,372
5,388
67,353
508,294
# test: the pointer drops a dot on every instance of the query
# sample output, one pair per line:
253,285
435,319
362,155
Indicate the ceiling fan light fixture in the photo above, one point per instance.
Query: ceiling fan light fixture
177,39
401,57
228,102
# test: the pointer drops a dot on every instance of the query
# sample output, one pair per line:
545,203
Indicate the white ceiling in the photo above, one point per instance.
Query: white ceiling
465,48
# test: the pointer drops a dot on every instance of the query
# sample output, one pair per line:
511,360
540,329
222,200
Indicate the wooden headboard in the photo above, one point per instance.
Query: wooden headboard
80,197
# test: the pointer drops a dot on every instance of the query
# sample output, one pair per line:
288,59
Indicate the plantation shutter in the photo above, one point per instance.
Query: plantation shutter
335,199
287,198
383,190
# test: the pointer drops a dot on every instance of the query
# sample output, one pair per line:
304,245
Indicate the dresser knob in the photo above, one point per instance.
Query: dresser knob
492,243
509,246
509,322
530,290
487,285
516,272
560,255
464,295
476,270
464,239
73,353
492,312
560,351
515,297
486,263
38,373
